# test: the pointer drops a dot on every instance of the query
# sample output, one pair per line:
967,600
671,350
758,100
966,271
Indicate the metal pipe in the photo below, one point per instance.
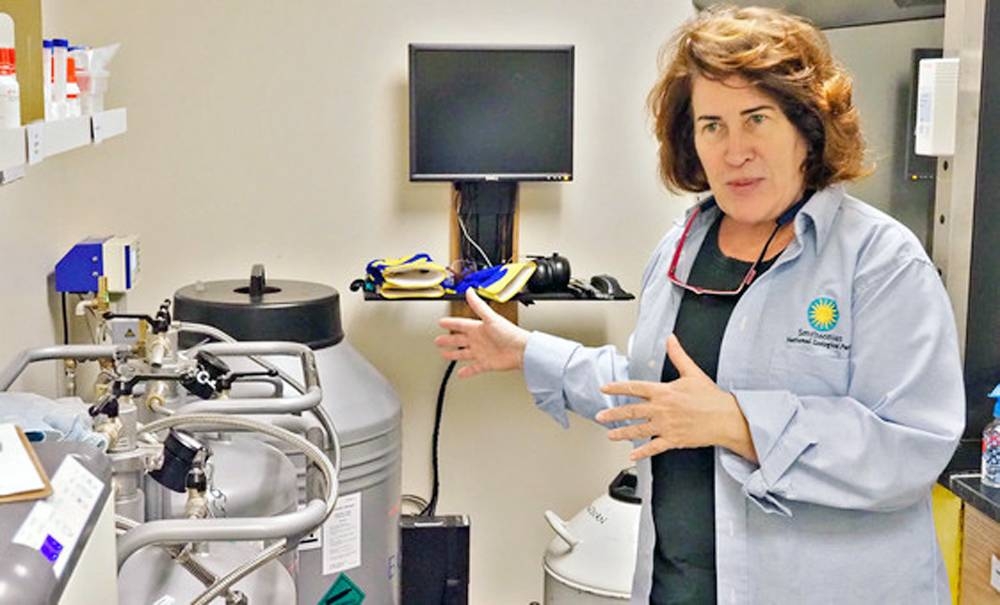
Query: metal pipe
181,531
79,352
213,332
332,438
321,414
310,399
264,347
275,381
253,405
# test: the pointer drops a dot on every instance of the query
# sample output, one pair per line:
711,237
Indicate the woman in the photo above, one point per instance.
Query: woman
793,383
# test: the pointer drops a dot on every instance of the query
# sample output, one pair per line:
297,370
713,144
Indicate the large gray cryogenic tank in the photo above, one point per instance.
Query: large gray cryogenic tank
361,538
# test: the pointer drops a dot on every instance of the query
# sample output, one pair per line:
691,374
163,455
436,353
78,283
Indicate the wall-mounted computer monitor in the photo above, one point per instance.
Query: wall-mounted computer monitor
491,113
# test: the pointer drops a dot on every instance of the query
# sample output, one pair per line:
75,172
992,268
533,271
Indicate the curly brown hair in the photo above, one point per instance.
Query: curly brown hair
785,56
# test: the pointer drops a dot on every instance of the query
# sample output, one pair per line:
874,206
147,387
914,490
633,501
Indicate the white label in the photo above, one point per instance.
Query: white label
925,111
36,142
311,540
19,472
342,536
11,174
995,572
10,102
54,524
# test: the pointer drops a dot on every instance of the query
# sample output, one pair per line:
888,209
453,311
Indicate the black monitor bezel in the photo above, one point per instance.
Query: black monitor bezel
467,177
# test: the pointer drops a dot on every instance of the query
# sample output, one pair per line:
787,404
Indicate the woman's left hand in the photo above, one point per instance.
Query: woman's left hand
689,412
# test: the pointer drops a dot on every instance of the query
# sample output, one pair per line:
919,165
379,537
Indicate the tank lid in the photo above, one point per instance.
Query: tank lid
259,309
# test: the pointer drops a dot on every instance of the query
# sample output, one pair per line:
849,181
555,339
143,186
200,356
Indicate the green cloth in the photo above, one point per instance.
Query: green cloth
683,502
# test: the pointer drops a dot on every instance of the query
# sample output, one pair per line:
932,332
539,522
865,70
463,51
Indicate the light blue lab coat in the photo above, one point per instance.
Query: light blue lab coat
852,420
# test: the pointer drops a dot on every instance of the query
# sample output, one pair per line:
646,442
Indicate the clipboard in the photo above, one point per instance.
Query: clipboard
35,494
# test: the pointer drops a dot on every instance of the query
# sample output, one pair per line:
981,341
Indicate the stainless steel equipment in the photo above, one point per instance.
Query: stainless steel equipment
79,572
361,538
195,557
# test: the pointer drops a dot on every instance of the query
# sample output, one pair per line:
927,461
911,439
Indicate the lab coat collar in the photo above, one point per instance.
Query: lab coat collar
819,212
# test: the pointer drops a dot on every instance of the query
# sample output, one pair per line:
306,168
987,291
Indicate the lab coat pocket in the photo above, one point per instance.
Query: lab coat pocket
806,373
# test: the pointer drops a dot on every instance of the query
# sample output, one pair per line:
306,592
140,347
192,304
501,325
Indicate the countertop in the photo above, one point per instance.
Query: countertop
962,477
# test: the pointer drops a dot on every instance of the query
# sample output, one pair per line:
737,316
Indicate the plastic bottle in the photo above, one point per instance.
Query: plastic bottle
60,47
991,445
93,75
73,109
47,77
10,91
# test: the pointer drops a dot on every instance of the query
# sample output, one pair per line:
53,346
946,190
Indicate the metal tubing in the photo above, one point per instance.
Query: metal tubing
290,405
181,531
275,381
325,420
310,399
78,352
321,414
305,354
264,347
213,332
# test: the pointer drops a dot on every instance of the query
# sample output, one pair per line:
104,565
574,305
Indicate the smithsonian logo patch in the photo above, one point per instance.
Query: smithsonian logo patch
823,314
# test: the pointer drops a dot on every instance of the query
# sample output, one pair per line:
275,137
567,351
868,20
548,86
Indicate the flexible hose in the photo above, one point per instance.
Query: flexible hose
193,566
223,584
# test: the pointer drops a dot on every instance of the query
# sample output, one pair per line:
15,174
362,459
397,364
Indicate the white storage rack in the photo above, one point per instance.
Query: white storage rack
33,143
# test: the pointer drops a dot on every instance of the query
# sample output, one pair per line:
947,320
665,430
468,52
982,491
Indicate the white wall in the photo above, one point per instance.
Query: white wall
276,132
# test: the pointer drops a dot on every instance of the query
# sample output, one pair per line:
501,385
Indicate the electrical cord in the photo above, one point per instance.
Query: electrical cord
465,232
88,311
414,500
65,321
431,508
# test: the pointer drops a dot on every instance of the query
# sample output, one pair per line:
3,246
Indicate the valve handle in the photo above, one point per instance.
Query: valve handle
559,526
225,382
258,283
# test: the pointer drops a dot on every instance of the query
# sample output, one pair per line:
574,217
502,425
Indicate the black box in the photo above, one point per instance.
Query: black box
434,560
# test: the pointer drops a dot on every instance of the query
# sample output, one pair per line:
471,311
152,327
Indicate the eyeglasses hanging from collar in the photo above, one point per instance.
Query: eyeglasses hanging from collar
785,218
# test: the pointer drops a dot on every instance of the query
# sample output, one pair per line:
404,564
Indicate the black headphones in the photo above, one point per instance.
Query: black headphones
551,274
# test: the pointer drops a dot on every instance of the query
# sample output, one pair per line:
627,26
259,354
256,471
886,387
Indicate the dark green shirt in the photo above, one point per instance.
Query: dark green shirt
683,503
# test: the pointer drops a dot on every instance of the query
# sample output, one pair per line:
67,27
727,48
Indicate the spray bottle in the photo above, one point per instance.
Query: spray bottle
991,445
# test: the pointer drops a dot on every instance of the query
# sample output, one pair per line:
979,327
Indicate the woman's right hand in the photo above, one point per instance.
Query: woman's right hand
490,343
